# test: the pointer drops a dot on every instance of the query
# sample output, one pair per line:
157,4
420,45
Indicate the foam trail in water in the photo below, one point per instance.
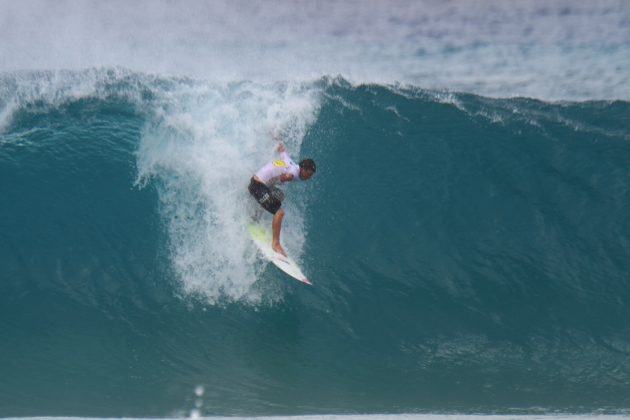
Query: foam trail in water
203,145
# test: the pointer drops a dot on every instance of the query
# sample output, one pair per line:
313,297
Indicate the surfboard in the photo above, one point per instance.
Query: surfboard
261,236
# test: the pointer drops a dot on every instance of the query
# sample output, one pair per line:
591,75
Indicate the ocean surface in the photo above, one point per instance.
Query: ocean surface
467,230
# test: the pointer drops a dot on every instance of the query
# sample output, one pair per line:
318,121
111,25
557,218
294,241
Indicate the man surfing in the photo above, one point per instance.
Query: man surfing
262,188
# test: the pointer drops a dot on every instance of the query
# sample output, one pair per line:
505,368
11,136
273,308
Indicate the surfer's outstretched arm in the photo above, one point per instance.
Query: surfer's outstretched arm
275,134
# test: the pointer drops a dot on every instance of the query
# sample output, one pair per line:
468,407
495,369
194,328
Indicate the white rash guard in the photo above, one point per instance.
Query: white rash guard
269,173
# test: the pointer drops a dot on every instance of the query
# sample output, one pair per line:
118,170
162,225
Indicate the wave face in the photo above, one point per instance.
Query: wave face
468,254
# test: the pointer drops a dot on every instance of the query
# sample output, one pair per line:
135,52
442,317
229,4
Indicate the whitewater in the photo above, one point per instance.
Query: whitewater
466,230
562,50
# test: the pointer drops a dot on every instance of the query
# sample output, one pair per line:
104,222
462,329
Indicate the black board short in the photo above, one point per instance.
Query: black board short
265,196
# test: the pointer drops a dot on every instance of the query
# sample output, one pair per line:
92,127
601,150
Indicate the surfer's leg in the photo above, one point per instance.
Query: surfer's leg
269,199
276,224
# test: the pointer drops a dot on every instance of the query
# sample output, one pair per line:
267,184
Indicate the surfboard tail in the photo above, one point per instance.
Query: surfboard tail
261,236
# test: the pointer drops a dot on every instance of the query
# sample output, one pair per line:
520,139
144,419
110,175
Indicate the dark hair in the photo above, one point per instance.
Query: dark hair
308,164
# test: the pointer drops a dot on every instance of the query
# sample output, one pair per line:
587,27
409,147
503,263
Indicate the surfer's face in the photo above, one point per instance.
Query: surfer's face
305,174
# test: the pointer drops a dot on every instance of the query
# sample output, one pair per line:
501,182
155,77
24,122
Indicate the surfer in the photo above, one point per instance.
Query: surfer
262,188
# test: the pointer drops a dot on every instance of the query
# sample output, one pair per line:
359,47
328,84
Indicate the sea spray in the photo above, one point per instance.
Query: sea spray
201,146
566,49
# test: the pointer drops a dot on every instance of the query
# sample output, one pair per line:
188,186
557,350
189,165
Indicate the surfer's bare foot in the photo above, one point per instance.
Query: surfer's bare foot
278,248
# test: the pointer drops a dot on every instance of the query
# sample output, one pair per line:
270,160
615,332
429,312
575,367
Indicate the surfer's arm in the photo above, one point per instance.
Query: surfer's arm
275,134
283,153
286,176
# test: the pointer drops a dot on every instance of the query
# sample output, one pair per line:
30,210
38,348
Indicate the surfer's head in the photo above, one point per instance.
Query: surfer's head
307,169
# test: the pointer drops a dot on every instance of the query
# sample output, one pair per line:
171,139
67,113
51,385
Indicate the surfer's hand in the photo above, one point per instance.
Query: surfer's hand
281,148
275,134
286,177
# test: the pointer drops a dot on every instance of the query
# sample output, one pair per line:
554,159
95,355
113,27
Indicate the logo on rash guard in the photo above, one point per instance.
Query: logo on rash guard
280,163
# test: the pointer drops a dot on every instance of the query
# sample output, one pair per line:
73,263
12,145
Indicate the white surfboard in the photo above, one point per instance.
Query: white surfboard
261,236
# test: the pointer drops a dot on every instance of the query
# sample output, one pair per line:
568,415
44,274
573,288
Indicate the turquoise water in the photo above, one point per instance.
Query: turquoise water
467,230
468,254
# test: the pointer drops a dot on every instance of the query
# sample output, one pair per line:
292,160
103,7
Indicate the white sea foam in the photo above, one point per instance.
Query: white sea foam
203,144
380,417
566,49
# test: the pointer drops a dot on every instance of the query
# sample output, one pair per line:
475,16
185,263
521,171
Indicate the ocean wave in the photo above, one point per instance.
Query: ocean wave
467,252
